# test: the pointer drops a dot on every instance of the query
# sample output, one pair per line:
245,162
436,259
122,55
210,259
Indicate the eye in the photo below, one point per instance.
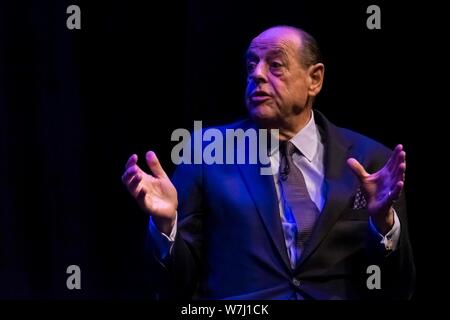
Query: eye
276,68
276,65
251,65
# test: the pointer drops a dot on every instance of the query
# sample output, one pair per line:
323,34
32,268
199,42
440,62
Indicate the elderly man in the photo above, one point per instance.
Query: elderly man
313,229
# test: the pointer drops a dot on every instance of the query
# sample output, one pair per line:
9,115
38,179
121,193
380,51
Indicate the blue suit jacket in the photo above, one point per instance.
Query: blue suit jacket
230,242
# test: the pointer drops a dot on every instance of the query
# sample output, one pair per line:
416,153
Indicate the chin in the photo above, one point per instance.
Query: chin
263,115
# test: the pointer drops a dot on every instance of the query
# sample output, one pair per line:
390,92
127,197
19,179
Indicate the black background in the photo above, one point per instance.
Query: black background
75,104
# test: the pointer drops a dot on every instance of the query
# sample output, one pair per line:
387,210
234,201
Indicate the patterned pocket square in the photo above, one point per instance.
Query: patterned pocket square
360,201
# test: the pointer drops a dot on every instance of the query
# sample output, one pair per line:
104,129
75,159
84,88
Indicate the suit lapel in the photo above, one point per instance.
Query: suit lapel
262,190
339,183
263,193
338,180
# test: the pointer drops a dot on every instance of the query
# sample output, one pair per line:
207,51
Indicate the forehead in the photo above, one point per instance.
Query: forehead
275,41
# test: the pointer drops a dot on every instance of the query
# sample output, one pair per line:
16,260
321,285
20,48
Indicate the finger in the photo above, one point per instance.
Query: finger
395,193
399,168
154,165
131,161
395,166
133,185
391,164
401,158
357,168
129,174
399,174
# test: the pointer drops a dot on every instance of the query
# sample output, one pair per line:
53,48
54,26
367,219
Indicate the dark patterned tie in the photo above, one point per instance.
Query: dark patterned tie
296,197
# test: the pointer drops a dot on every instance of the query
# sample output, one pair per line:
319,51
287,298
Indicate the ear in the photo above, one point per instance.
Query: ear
315,76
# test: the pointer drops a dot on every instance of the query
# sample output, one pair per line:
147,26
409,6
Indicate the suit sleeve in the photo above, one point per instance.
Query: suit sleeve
182,266
397,267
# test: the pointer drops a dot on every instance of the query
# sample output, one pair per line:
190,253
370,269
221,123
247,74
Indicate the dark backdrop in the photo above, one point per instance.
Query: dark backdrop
75,104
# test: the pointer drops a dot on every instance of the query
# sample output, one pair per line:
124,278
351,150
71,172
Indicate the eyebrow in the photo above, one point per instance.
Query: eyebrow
281,53
250,54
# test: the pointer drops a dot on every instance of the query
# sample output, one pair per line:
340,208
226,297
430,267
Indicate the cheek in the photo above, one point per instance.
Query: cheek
277,86
297,92
281,92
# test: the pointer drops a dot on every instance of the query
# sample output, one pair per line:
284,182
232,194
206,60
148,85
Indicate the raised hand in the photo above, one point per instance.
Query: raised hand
154,192
382,188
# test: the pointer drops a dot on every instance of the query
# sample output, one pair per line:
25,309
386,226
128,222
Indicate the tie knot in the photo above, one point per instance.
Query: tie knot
287,148
286,151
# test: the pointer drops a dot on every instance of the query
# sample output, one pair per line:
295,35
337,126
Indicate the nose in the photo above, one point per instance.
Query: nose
259,73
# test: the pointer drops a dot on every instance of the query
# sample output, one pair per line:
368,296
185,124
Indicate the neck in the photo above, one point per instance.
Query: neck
290,127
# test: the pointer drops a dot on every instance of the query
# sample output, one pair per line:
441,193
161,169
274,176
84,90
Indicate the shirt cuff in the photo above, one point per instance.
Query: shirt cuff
390,240
163,243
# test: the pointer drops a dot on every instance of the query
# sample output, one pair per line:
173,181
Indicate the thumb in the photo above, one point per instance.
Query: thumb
357,168
154,165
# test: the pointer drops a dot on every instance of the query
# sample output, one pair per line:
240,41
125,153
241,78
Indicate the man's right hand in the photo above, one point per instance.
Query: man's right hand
155,193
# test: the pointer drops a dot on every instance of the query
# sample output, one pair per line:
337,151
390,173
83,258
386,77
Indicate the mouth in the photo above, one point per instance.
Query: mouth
259,96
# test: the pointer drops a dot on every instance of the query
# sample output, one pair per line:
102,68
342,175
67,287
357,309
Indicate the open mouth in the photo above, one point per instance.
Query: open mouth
259,96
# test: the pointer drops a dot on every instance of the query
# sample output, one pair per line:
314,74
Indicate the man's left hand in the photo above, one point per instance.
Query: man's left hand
382,188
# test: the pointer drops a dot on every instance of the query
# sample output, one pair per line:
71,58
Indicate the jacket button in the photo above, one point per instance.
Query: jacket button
296,282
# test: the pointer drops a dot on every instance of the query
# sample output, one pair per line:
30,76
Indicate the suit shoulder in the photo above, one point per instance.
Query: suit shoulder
364,145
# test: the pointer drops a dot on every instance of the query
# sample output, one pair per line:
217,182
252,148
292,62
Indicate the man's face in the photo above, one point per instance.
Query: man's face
277,84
